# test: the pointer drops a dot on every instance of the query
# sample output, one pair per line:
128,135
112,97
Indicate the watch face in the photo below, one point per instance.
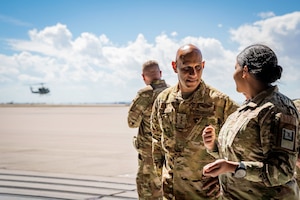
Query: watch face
240,173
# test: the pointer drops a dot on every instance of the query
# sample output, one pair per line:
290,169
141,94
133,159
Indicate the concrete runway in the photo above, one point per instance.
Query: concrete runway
45,146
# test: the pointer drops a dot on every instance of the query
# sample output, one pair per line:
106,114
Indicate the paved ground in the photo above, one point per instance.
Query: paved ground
73,152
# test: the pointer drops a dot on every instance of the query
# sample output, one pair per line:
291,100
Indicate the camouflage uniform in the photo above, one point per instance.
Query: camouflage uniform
263,135
177,126
297,104
139,116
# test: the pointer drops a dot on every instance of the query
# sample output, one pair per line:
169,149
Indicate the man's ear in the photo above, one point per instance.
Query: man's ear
143,76
174,66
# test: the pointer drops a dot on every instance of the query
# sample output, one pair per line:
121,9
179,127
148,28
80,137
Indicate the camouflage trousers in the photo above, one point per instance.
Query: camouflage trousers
148,184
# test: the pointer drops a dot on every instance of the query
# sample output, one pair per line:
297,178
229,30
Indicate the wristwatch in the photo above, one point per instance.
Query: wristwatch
240,171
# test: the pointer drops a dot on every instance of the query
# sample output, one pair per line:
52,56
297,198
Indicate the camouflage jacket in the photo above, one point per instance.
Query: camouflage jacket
297,104
139,115
263,134
177,126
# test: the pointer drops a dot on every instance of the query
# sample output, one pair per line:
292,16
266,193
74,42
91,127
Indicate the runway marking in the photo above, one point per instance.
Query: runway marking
35,186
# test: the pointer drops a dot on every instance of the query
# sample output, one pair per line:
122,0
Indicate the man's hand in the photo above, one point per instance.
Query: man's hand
209,137
298,163
212,186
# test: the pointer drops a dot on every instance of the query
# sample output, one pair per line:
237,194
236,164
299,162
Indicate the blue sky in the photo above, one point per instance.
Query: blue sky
91,51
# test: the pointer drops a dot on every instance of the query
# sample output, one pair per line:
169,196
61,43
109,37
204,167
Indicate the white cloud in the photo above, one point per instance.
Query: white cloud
275,31
92,68
265,15
10,20
57,36
174,33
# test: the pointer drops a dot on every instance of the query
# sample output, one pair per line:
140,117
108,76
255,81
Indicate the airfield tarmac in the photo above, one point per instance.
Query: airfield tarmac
66,152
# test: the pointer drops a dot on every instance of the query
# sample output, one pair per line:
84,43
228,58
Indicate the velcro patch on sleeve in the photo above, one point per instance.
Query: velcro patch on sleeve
288,139
287,129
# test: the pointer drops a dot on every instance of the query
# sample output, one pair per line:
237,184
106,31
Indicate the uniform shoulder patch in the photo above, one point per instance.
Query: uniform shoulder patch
288,139
287,129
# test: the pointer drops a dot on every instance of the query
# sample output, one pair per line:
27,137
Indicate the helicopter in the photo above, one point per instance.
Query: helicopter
41,90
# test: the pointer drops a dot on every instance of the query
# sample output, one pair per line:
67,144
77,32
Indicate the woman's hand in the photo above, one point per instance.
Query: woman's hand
220,166
209,137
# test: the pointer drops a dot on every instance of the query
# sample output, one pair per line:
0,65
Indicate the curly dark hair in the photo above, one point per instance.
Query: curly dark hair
261,62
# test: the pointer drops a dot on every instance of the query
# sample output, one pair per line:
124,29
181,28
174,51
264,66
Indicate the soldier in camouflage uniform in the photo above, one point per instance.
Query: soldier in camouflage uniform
179,115
257,146
297,104
148,185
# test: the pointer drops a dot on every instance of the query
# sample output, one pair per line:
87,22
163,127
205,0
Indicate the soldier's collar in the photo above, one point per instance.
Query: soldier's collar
158,83
261,96
256,101
196,96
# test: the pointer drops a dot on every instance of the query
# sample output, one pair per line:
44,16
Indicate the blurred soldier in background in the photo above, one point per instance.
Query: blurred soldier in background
179,115
148,185
297,104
